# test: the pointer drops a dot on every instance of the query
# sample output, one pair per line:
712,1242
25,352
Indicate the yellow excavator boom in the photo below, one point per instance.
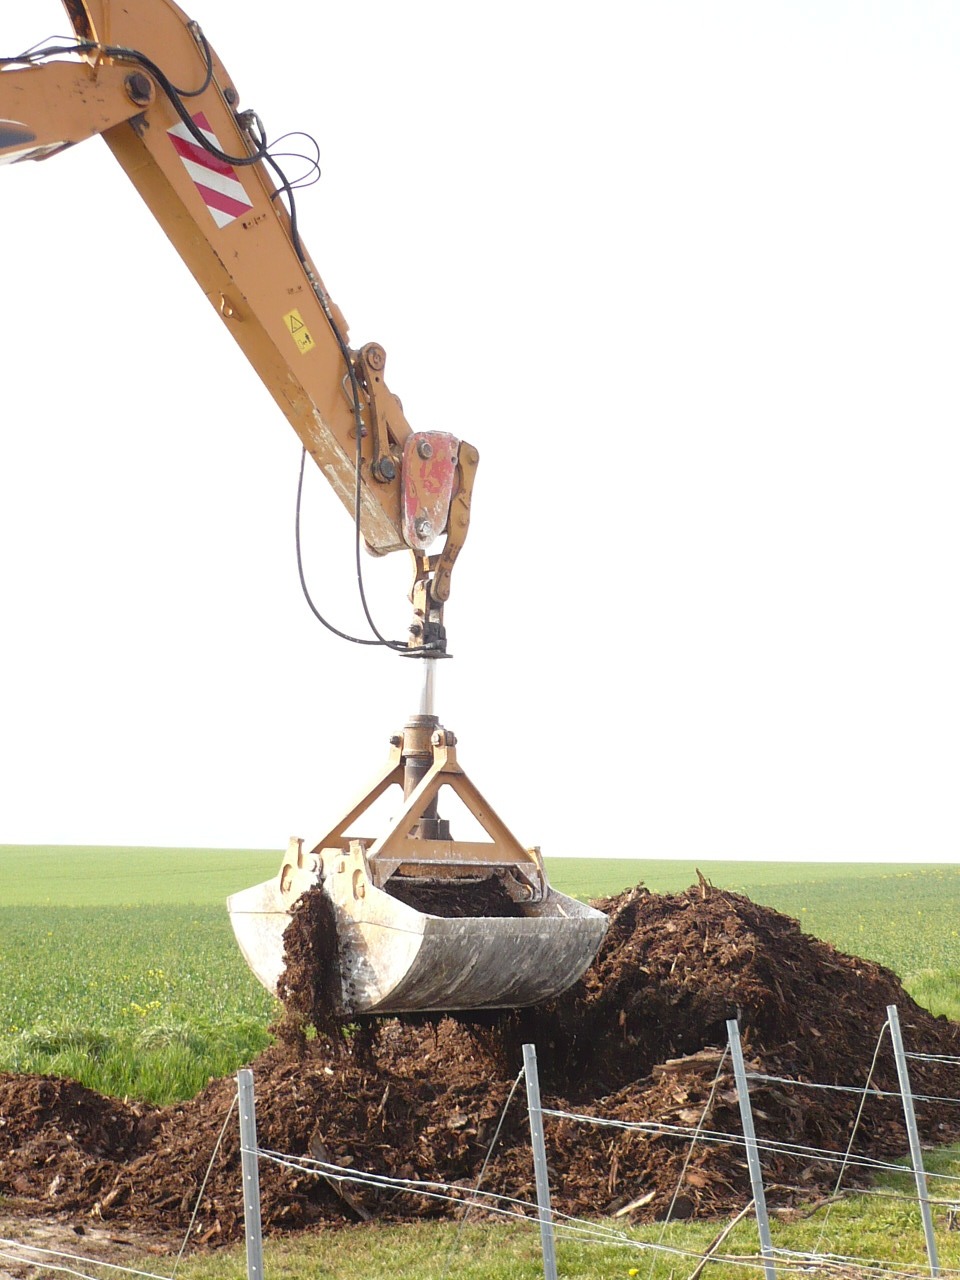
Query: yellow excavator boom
146,79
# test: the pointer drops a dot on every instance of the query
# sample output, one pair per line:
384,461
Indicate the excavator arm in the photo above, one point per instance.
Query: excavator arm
145,78
399,907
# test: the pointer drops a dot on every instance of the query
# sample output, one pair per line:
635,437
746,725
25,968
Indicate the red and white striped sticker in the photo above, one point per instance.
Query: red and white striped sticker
217,182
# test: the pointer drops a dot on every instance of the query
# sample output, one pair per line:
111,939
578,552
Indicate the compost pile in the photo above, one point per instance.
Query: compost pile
639,1039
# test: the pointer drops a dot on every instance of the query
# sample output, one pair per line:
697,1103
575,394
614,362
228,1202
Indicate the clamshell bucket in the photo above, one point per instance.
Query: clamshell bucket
424,922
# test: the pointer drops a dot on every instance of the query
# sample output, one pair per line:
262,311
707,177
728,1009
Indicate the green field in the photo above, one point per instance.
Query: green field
119,968
903,915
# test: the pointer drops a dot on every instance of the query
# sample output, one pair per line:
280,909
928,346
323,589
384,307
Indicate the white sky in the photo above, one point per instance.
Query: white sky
687,275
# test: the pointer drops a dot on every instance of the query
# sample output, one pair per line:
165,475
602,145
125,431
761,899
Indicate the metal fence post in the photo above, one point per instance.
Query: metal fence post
251,1175
913,1135
750,1142
540,1161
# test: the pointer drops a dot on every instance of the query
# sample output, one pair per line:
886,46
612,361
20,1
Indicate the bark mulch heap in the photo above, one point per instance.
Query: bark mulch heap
638,1039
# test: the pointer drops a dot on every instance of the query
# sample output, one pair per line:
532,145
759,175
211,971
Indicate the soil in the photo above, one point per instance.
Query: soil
639,1038
26,1245
454,899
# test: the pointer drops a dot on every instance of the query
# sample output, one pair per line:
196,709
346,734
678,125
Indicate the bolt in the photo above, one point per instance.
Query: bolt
231,95
473,457
424,449
423,528
385,470
437,739
139,88
376,356
396,740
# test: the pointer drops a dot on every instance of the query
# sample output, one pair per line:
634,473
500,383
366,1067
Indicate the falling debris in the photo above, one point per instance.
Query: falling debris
640,1039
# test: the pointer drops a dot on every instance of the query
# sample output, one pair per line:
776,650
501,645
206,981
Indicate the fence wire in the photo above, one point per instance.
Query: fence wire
483,1170
567,1226
34,1261
877,1266
719,1138
575,1229
206,1177
850,1088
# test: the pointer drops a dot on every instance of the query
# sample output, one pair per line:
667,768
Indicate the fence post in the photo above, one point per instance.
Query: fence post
540,1162
913,1135
251,1175
750,1142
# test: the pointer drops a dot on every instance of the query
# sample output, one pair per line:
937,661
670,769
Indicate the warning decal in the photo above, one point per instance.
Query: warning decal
218,184
299,331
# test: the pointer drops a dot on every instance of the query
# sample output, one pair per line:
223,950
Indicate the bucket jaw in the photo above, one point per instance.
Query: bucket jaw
425,922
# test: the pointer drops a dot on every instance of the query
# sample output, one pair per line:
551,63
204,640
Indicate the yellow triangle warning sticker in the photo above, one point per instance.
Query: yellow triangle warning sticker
298,331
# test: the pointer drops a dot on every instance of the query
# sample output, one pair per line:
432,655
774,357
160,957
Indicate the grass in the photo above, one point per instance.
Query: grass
883,1228
118,968
902,915
91,876
144,1001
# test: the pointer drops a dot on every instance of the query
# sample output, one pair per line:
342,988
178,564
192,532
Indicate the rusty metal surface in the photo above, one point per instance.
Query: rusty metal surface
429,475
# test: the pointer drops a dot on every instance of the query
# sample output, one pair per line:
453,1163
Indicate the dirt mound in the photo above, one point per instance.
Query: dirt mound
639,1039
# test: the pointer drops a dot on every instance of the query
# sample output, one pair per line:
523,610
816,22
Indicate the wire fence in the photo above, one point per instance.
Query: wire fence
766,1256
